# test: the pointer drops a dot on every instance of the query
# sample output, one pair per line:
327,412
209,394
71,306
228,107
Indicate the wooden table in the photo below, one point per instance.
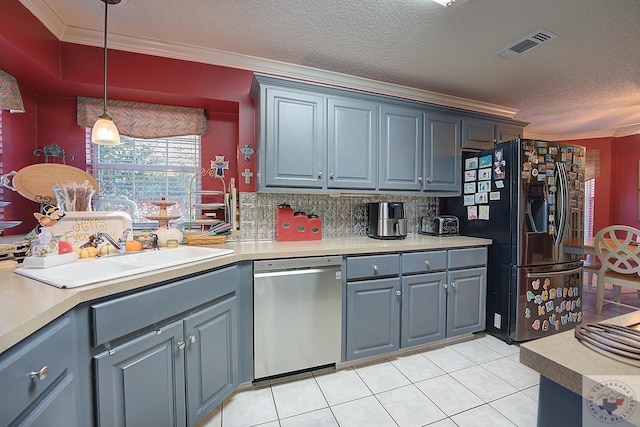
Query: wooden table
579,246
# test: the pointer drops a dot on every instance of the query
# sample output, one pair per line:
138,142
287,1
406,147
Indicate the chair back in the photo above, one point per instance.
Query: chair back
618,248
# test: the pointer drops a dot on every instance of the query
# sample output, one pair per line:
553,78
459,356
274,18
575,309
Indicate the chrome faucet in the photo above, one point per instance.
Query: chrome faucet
120,245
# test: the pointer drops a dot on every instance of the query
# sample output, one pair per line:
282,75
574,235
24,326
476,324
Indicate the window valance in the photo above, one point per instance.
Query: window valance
144,120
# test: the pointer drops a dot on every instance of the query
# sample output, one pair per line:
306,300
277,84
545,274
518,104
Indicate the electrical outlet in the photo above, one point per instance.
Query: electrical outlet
497,320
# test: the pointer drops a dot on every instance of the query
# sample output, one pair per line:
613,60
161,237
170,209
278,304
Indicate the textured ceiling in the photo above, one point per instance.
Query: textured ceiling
584,83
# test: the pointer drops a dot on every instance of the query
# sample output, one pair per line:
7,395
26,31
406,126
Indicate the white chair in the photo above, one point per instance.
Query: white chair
617,248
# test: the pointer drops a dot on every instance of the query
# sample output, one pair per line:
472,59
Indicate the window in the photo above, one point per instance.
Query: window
589,204
144,170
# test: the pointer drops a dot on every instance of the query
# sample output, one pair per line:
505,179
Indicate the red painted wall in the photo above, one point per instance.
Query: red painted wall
617,186
52,74
625,183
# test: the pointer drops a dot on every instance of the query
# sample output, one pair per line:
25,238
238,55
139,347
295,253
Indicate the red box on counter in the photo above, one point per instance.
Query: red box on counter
314,231
284,223
300,226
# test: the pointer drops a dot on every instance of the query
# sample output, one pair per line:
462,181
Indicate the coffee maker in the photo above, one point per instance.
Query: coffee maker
387,221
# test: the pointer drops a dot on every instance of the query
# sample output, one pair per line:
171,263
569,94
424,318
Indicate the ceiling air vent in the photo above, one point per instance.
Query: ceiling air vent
527,43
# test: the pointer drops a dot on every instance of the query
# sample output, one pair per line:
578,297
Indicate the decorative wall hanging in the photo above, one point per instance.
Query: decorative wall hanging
247,151
219,165
53,151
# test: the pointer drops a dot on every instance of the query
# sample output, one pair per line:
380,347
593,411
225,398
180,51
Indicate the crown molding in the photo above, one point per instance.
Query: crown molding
620,132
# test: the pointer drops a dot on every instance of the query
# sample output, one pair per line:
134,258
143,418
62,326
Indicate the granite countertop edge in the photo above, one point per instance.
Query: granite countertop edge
27,305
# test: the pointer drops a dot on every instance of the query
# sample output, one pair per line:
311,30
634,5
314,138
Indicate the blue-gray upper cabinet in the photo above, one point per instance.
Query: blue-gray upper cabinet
401,140
483,134
505,132
442,153
352,142
294,140
478,134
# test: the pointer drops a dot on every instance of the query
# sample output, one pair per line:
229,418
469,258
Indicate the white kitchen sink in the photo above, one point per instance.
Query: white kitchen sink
95,270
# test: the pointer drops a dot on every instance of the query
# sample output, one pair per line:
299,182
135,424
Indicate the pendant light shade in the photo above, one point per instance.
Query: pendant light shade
104,130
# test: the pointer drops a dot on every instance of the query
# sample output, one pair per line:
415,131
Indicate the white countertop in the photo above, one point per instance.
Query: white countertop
26,305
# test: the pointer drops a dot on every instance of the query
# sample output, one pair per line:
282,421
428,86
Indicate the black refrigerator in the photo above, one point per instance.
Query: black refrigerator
528,197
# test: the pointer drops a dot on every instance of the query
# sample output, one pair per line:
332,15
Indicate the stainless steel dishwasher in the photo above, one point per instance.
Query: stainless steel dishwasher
297,314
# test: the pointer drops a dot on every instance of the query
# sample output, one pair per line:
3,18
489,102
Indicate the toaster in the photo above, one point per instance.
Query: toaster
440,225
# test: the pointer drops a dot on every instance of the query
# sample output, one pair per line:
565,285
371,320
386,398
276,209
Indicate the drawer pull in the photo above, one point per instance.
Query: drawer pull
375,267
181,345
41,374
192,338
426,262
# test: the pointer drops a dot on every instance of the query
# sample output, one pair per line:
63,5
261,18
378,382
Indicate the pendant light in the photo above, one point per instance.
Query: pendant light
104,130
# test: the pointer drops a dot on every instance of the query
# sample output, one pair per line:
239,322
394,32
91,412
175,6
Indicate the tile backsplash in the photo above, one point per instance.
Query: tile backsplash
343,216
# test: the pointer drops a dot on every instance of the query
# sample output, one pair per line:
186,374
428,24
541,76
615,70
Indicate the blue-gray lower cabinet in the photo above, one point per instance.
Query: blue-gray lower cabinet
212,357
423,308
373,317
38,379
144,381
177,357
466,301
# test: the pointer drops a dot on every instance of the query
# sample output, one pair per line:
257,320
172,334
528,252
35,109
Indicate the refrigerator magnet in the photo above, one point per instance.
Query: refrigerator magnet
534,172
471,163
485,161
472,212
484,174
470,175
469,187
469,199
483,212
498,172
526,166
500,184
482,198
484,186
553,150
494,195
542,150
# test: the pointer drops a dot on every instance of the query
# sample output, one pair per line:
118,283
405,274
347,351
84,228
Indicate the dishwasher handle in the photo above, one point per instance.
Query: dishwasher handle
300,271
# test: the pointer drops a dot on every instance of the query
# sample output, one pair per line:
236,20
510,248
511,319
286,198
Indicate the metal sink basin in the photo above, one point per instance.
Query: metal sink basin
95,270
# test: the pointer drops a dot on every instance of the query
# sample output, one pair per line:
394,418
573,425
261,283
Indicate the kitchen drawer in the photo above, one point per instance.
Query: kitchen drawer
467,257
373,266
424,262
48,348
121,316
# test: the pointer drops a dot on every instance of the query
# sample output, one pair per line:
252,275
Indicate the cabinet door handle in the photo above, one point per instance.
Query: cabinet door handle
444,285
420,179
331,175
398,293
319,175
428,179
192,339
41,374
181,345
453,284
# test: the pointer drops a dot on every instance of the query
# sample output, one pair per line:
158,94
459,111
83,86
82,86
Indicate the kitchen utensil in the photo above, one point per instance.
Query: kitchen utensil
35,182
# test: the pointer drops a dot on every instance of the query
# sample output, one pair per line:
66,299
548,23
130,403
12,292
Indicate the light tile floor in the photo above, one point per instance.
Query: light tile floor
477,382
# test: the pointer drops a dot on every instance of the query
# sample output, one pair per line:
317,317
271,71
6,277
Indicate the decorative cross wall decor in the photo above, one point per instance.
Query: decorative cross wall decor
247,174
